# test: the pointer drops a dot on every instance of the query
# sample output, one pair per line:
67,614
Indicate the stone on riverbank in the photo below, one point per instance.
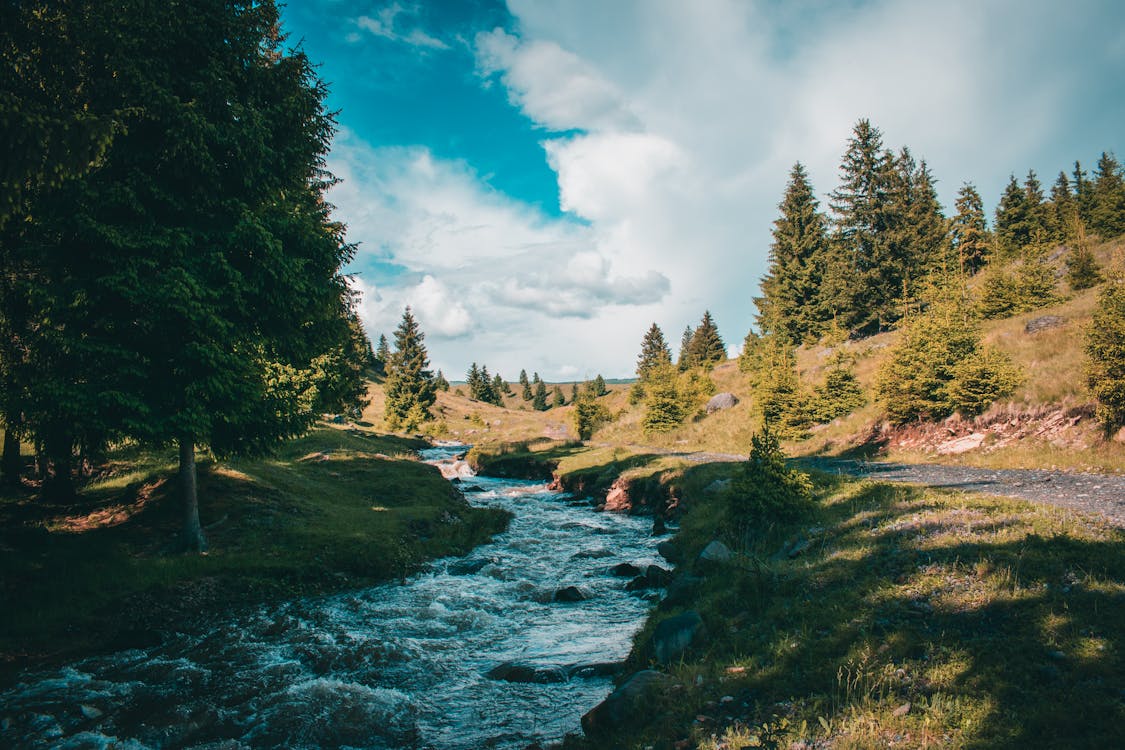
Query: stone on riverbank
624,705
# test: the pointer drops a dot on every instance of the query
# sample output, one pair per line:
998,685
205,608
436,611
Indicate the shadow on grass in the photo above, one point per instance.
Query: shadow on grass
1000,624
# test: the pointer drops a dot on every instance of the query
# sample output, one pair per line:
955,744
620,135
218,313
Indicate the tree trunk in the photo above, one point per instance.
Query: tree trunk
192,533
58,484
11,464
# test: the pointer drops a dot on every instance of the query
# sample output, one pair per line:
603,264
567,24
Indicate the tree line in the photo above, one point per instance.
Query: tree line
170,272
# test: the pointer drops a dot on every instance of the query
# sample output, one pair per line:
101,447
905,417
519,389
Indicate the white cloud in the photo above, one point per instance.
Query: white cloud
386,26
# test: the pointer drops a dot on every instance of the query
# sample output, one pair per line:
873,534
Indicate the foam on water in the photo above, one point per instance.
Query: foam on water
394,666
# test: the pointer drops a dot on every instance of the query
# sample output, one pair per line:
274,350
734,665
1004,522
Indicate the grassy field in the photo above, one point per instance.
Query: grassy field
332,510
910,618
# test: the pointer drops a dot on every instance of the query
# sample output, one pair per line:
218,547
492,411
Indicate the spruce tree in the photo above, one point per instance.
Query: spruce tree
654,352
1083,194
1107,210
589,414
1063,210
685,360
472,380
557,397
599,387
525,386
382,354
573,392
1105,347
707,347
440,383
664,410
499,388
539,401
791,304
861,283
970,231
916,232
1013,222
409,387
1037,211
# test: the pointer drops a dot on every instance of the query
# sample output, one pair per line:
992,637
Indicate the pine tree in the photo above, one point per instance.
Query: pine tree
499,388
1082,269
1063,210
707,347
525,386
791,304
472,380
440,383
841,393
382,354
664,410
409,387
558,399
861,282
1105,347
589,414
685,360
654,352
1013,223
916,234
1037,211
784,404
599,387
1083,194
573,392
1107,211
970,234
539,402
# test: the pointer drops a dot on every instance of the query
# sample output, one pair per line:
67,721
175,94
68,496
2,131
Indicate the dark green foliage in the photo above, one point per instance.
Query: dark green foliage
791,304
766,489
525,386
1107,209
409,387
484,387
499,388
589,414
1013,223
1062,214
654,352
573,392
1083,194
685,359
917,233
1082,269
382,355
440,383
937,365
1009,290
557,397
783,403
707,347
1105,346
598,386
969,230
539,401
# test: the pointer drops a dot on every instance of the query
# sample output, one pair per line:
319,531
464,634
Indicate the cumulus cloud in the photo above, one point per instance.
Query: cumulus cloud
385,24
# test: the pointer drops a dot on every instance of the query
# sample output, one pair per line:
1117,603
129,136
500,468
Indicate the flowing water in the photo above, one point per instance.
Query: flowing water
394,666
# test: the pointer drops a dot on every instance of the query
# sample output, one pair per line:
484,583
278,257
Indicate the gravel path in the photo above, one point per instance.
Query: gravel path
1100,494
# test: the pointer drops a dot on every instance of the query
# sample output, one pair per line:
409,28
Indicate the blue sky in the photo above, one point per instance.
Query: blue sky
541,181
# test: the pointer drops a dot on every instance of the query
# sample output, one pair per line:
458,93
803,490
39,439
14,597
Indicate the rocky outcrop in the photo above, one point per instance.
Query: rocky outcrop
624,705
1043,322
654,577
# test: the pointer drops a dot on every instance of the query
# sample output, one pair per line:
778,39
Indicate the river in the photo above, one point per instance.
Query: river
393,666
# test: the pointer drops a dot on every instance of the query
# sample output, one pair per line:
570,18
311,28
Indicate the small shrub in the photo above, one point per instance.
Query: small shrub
589,414
982,378
1105,345
766,488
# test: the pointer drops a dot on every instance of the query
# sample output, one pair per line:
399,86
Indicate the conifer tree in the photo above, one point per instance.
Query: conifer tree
791,304
784,404
1037,211
539,402
654,352
1083,194
1082,269
706,346
1105,347
685,360
664,410
916,233
558,399
598,386
1107,210
440,383
382,354
861,283
1013,223
409,387
1063,210
589,414
499,388
573,392
525,386
970,231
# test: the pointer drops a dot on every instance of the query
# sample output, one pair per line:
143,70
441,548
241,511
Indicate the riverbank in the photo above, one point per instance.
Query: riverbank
334,510
886,616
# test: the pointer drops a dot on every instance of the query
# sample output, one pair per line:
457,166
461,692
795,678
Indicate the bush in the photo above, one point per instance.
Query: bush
1105,345
766,488
985,376
841,393
589,414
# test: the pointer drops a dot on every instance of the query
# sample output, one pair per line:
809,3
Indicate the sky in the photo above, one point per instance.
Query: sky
541,181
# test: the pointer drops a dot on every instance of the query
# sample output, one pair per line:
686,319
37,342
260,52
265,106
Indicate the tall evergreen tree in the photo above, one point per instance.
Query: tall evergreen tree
539,402
664,409
440,382
557,397
654,352
1083,194
791,303
1014,224
1063,210
499,388
970,234
685,360
382,354
1105,347
525,386
707,347
409,387
1107,211
860,281
598,386
916,235
1038,212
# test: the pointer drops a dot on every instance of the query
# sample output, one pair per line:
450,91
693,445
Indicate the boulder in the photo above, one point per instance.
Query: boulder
624,705
675,635
570,594
514,672
654,577
669,551
592,554
467,567
1043,322
625,570
715,553
721,401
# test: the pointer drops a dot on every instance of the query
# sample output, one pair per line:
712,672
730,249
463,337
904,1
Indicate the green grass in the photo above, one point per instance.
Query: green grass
330,511
1000,623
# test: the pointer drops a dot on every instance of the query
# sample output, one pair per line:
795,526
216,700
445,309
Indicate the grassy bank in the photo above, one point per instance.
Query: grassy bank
892,616
333,510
